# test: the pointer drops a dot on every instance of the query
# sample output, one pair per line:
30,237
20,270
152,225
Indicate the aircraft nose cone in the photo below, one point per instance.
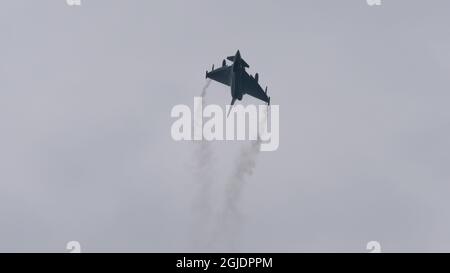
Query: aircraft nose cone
238,53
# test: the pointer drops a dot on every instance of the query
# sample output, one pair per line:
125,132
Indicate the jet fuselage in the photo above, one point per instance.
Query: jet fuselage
236,75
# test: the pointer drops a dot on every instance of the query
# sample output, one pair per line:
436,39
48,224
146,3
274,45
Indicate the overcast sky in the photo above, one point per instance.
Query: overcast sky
85,146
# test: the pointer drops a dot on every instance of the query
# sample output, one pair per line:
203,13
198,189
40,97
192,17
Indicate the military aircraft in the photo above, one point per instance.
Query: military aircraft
238,79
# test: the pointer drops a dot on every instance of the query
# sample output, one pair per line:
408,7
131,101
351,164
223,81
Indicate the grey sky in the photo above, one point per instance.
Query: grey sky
85,146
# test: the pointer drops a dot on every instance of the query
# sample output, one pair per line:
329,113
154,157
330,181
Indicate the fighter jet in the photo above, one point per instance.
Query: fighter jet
238,79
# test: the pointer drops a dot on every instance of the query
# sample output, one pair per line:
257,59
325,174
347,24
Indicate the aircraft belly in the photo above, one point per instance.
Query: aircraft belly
233,85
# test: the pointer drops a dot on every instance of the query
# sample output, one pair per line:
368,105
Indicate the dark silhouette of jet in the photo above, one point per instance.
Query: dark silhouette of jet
238,79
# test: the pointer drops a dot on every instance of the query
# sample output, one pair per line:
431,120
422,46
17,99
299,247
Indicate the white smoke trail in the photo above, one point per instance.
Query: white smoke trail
230,223
208,82
204,177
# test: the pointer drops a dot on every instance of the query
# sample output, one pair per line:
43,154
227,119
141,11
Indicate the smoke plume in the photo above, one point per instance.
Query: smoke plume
204,180
231,221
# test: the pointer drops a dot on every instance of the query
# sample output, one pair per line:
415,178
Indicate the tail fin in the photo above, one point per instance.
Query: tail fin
231,106
241,61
